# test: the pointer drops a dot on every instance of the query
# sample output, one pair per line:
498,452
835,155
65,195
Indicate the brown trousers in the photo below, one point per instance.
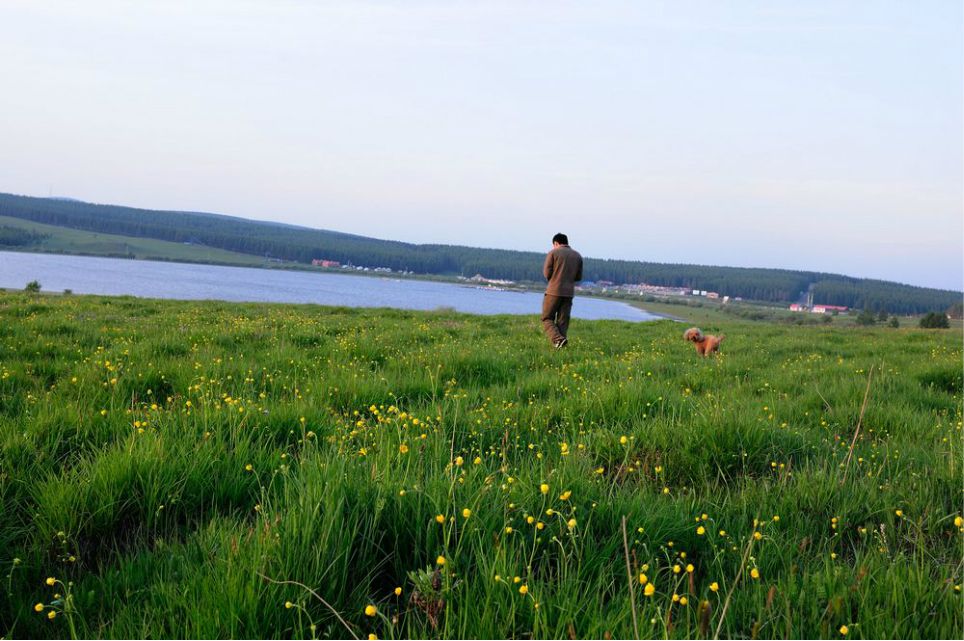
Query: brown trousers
555,316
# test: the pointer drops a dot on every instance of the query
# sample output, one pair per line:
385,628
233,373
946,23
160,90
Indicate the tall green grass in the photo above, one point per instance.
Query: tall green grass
186,469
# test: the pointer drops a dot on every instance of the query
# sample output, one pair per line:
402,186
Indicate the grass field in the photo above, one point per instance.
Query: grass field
185,469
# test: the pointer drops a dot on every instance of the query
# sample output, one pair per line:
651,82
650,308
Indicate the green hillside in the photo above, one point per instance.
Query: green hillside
63,240
181,469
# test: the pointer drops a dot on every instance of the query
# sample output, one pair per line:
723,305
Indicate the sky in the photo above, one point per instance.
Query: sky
819,135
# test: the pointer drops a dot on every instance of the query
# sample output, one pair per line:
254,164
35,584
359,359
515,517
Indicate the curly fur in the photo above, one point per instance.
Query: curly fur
706,344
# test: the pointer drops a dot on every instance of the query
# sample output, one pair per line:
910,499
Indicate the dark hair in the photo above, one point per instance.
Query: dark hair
562,239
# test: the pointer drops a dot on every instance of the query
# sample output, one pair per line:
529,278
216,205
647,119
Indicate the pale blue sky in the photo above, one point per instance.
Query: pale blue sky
810,135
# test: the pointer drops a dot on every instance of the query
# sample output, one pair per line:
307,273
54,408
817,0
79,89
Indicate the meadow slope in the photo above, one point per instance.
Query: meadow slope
205,469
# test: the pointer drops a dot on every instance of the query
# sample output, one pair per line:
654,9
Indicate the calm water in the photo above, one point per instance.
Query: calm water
114,276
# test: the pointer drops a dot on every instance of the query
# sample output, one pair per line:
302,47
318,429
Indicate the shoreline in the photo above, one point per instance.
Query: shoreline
175,280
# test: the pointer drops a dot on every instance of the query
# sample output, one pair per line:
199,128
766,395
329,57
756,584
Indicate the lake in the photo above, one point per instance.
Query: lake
152,279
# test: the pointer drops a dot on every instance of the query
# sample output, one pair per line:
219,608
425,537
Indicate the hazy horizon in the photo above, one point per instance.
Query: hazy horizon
817,136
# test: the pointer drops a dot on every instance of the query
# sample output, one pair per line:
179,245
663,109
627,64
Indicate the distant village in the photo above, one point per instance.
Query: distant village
643,289
809,306
598,287
334,264
819,309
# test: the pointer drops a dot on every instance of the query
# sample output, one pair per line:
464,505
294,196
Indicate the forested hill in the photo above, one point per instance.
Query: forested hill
302,244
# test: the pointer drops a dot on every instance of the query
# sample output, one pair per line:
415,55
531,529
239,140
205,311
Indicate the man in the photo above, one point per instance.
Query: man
563,269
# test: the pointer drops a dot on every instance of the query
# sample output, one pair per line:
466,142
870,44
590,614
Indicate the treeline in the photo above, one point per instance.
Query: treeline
879,295
16,237
301,244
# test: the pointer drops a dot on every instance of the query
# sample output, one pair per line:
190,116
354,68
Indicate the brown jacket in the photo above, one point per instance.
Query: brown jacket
563,269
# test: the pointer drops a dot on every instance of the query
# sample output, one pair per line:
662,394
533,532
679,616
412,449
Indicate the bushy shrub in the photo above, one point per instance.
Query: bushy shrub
935,320
866,317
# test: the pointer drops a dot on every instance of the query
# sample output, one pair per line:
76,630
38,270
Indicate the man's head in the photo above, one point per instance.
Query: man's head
560,239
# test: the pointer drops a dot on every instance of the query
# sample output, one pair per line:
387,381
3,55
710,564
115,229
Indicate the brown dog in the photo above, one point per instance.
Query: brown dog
705,344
